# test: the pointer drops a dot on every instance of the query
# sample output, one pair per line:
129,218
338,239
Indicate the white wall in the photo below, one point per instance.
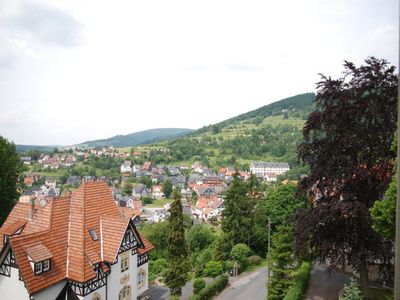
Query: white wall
50,293
101,292
114,279
11,288
145,286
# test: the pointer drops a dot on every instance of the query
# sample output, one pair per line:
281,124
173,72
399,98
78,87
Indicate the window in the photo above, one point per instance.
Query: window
125,263
125,293
46,265
93,234
38,267
141,277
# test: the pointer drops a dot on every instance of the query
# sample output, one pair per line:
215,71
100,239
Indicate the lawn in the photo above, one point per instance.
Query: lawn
159,202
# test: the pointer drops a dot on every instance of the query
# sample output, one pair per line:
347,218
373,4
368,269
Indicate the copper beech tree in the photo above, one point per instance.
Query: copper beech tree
347,144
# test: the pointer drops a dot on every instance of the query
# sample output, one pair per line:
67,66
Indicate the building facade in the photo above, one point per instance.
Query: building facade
79,246
260,169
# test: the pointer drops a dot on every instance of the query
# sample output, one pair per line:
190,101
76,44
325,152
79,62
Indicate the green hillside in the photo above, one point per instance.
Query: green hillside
270,133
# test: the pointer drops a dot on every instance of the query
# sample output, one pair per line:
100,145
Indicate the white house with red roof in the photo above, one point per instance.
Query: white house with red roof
79,246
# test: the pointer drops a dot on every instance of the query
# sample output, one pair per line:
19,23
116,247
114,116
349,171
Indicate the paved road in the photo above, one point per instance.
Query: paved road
248,286
159,293
324,286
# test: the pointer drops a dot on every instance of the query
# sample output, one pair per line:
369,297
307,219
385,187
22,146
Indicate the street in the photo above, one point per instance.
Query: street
249,287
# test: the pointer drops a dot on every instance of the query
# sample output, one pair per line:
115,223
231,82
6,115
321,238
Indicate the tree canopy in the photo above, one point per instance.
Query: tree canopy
10,169
347,144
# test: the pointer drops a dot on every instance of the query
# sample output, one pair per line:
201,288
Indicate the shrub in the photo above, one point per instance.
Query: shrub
299,287
254,260
213,268
352,291
198,285
213,289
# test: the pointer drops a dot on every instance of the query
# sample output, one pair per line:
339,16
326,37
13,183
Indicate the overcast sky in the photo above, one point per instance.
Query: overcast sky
74,70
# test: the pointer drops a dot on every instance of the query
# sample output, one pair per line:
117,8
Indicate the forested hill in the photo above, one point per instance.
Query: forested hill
301,103
138,138
270,133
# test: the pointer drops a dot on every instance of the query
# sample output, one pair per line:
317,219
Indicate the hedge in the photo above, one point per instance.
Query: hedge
299,287
213,289
198,285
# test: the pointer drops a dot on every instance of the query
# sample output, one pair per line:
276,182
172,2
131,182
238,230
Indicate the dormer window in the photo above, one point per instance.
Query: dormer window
41,266
93,234
38,268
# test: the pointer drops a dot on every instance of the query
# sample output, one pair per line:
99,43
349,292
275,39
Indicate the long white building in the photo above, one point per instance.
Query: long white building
261,168
79,246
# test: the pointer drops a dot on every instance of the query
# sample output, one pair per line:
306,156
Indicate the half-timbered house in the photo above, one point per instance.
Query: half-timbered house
79,246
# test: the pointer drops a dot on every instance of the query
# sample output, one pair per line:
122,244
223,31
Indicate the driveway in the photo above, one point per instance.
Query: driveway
324,286
247,286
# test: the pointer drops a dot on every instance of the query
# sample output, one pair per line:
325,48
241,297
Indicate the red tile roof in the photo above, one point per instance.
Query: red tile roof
60,231
37,252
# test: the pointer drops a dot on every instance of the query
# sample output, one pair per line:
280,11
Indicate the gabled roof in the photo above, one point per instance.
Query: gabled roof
60,231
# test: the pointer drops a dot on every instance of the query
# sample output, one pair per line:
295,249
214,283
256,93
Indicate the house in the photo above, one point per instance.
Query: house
212,180
74,180
30,179
157,191
50,251
261,168
140,191
26,160
270,177
147,166
126,167
208,206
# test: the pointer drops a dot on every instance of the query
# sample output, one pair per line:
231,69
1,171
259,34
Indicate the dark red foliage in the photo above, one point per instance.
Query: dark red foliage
347,143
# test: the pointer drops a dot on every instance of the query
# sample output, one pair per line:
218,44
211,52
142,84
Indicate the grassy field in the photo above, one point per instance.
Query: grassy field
159,203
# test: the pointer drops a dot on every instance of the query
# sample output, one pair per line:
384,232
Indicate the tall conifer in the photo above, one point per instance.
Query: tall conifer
178,262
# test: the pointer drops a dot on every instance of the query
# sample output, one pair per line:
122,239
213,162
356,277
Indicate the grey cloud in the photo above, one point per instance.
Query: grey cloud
242,67
42,23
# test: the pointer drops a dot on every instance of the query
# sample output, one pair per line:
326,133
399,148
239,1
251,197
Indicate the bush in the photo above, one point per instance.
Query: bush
352,291
198,285
254,260
213,289
213,268
299,287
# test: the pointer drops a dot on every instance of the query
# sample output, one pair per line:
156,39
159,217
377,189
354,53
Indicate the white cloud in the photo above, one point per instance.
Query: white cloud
91,70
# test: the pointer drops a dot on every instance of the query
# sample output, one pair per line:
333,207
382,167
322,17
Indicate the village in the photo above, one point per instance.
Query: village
143,190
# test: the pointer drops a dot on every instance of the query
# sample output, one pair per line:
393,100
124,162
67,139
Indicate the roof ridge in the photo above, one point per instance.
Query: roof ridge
69,236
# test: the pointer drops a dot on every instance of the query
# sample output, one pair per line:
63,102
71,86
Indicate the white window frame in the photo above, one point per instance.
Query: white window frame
38,267
46,265
124,263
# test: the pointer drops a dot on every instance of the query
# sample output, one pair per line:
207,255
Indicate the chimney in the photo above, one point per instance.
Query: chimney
31,209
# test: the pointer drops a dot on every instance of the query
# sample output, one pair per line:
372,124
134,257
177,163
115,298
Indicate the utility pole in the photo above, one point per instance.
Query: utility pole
397,253
268,257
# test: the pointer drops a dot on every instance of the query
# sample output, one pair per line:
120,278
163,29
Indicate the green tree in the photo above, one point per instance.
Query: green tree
384,212
146,181
127,189
167,188
240,253
178,262
10,171
213,269
236,216
281,262
199,237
